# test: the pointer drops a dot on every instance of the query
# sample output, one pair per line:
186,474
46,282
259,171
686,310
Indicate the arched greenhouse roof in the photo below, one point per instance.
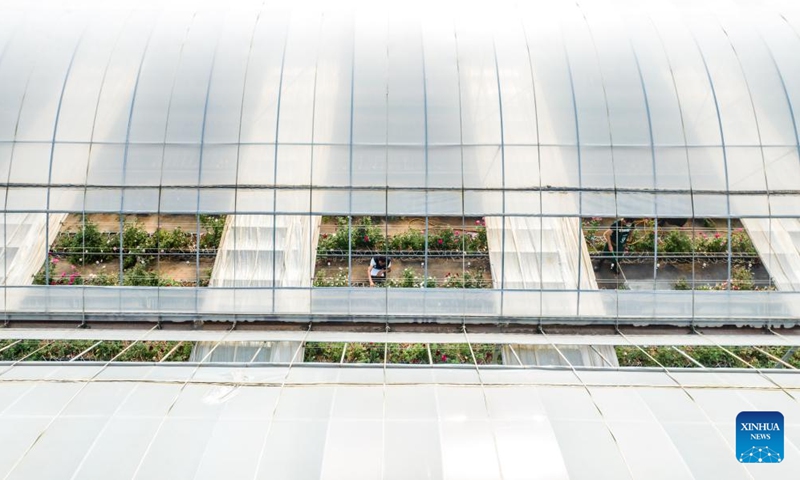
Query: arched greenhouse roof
131,106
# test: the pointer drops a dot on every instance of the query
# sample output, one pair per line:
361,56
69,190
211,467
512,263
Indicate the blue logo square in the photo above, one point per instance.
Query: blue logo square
759,437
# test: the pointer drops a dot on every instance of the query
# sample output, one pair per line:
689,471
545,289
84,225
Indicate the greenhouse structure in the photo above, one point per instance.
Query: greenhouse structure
346,239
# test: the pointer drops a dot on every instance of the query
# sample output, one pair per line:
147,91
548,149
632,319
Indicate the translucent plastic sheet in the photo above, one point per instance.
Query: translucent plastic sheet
347,422
778,244
574,355
25,249
246,352
266,251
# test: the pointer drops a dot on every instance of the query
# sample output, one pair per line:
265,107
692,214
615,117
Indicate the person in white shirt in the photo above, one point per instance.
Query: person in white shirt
379,266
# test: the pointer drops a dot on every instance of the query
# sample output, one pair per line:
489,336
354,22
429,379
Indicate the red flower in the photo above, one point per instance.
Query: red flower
439,241
444,358
366,238
716,235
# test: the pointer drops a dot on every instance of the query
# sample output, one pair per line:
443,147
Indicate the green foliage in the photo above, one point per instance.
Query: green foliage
73,277
408,279
213,226
62,350
87,245
408,353
468,280
682,284
741,243
337,280
337,241
323,352
742,278
676,242
164,241
459,353
478,242
135,243
412,240
642,239
139,276
445,239
711,357
40,278
403,353
716,243
364,353
367,236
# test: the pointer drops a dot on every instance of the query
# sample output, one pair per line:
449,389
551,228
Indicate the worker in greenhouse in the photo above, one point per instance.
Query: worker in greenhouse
379,267
615,239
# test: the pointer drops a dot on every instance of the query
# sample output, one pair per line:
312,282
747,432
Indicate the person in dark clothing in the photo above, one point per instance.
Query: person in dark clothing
615,239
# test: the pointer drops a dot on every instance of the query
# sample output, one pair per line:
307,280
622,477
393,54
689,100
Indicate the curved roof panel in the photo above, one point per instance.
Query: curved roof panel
598,96
314,422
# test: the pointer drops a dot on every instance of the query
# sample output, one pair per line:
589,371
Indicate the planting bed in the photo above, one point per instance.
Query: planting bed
693,256
155,251
457,252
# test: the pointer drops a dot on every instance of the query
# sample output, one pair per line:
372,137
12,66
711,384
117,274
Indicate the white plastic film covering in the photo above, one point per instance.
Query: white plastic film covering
26,245
540,253
246,352
574,355
777,241
129,422
266,250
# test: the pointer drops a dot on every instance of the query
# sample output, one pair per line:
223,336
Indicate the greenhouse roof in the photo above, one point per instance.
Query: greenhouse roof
340,107
146,421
